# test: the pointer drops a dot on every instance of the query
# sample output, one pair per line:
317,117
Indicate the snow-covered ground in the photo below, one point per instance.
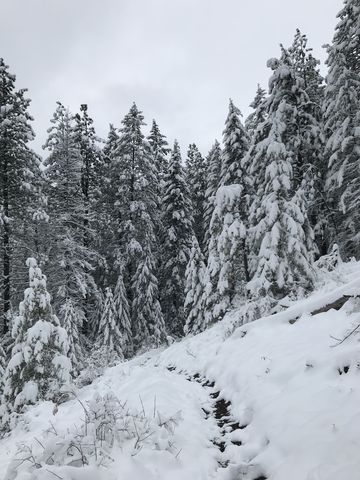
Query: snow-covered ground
292,388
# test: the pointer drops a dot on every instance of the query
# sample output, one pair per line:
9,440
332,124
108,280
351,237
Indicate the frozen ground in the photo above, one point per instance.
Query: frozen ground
292,398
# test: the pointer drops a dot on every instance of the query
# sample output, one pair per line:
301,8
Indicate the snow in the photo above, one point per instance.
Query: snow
289,382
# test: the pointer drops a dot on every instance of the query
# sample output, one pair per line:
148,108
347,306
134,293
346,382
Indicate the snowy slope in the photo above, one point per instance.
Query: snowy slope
293,392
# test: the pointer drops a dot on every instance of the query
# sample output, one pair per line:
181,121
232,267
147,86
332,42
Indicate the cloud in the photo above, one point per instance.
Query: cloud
180,60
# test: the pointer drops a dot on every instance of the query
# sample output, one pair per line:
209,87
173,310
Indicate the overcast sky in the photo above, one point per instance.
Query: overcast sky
180,60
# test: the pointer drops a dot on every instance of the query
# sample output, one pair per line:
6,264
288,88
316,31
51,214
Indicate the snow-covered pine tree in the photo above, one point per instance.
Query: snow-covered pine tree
259,114
279,218
109,334
307,68
92,172
85,140
133,195
236,144
227,270
309,170
71,318
149,326
106,221
70,261
123,313
229,214
160,150
194,291
342,130
21,201
212,184
136,189
196,181
178,233
39,367
110,144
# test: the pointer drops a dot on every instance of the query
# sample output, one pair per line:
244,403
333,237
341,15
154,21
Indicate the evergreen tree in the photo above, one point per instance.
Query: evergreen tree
236,144
92,171
38,368
178,233
21,201
212,184
227,271
279,216
70,261
110,145
109,334
196,181
107,220
149,326
160,150
123,314
234,171
72,317
85,141
342,121
309,170
194,290
259,114
133,195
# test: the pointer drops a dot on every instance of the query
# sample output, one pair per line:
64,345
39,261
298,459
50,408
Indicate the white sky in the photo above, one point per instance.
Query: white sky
180,60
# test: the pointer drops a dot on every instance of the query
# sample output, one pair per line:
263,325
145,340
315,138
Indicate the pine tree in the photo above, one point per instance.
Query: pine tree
227,271
109,334
236,144
258,116
194,291
149,326
92,171
38,368
21,200
178,233
160,150
196,181
70,261
309,170
212,184
85,140
342,121
110,144
107,221
123,314
133,195
279,217
73,317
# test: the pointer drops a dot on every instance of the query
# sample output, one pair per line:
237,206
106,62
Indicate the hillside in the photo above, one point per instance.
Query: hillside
278,398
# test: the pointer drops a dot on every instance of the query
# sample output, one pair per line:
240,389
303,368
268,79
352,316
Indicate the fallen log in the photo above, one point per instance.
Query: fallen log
336,305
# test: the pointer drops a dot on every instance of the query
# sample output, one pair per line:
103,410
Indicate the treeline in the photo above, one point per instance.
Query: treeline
139,246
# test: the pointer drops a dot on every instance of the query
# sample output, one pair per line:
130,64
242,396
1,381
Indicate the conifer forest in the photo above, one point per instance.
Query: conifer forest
197,310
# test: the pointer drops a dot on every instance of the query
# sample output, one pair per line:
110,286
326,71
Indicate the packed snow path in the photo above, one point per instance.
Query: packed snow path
228,435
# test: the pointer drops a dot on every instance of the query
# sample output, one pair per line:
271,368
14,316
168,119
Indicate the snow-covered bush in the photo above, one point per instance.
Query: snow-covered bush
329,262
95,364
107,424
39,367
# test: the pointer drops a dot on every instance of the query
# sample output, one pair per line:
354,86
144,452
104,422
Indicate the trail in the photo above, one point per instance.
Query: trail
227,437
